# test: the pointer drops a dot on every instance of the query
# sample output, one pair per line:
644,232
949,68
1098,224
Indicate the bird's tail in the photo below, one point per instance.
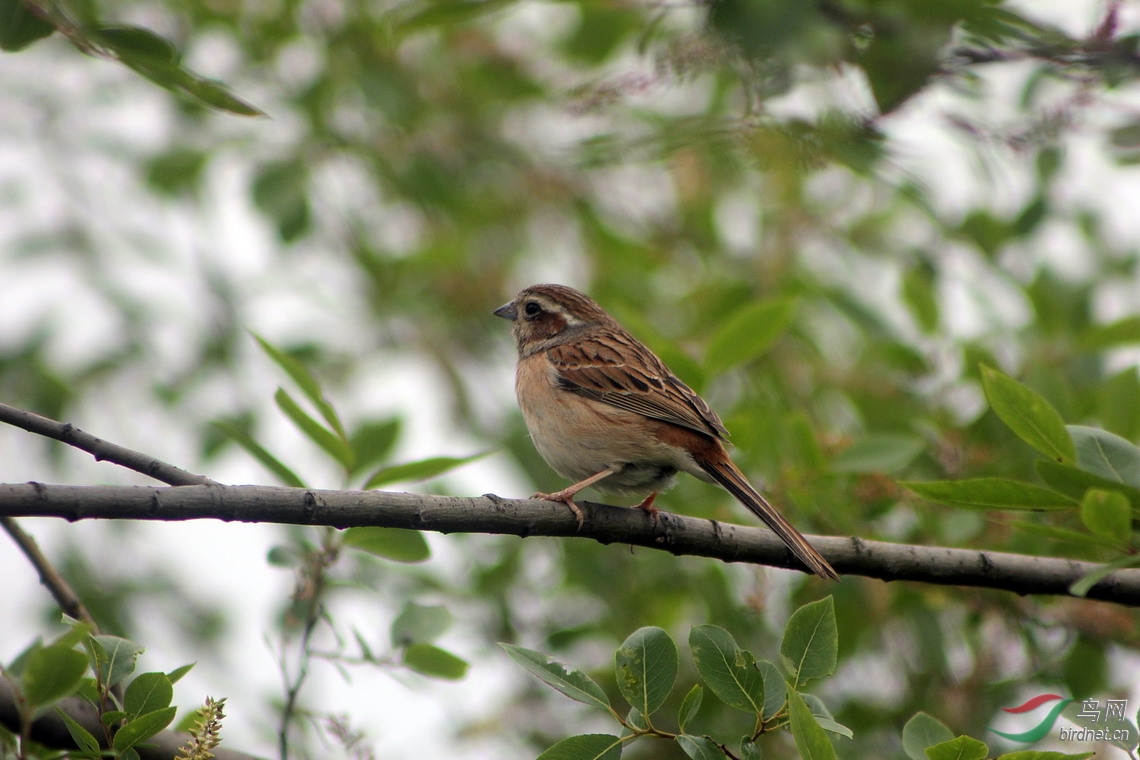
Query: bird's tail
729,475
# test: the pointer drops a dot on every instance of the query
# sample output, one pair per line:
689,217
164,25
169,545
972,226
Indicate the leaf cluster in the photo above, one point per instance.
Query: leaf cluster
100,670
646,668
1087,473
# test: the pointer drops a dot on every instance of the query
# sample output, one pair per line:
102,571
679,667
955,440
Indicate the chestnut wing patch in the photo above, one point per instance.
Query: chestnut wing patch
618,370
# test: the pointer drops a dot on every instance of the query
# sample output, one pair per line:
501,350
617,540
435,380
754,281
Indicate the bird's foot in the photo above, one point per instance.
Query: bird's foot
566,497
647,506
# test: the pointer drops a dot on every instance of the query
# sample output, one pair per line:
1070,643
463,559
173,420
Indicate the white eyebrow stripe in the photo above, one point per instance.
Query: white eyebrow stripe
556,308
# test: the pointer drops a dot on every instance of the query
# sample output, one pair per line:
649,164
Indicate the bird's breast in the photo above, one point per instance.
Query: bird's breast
578,436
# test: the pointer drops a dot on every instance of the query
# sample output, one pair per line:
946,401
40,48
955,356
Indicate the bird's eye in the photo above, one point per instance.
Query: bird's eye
532,309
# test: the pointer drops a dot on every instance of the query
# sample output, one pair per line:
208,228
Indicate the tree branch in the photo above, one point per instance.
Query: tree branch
59,588
103,451
606,524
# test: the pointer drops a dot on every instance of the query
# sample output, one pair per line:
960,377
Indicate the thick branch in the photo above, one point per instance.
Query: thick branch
50,730
606,524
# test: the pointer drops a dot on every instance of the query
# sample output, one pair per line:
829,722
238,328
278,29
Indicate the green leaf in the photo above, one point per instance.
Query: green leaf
281,192
178,170
1080,538
690,705
373,441
333,445
1123,332
176,675
157,59
1073,482
960,748
19,27
811,740
1107,514
569,682
646,668
919,292
252,447
418,624
635,720
421,470
990,493
76,633
305,380
135,45
1028,415
147,693
748,333
727,669
20,661
446,13
922,731
215,94
1107,455
1087,581
397,544
142,728
362,642
585,747
879,452
113,658
748,749
111,717
88,744
430,660
832,726
50,674
1127,136
775,689
810,646
699,747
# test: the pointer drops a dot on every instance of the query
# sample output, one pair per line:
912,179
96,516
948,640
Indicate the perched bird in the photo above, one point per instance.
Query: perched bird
603,410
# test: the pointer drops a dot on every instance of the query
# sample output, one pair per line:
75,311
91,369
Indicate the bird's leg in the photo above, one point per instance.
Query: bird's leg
646,505
566,495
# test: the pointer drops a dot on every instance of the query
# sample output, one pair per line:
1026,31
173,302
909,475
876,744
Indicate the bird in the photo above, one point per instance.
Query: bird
604,411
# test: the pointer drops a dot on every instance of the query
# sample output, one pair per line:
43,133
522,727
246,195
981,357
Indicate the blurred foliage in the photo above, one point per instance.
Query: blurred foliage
737,183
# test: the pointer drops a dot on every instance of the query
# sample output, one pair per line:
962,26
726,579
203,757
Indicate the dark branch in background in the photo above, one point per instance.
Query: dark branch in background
523,517
51,731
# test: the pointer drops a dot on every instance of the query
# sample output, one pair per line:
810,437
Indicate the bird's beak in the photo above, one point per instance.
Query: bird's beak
507,311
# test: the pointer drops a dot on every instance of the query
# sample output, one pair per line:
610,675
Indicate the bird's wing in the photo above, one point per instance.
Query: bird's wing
615,368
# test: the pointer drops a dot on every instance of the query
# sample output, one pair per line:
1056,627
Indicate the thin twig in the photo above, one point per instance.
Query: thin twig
103,451
60,590
310,592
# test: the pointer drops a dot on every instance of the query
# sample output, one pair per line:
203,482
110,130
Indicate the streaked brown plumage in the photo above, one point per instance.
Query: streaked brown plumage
603,410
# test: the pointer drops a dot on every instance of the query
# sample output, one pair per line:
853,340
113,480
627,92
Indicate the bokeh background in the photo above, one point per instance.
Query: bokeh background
822,215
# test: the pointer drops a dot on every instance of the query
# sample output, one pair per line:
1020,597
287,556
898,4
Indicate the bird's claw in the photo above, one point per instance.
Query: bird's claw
567,498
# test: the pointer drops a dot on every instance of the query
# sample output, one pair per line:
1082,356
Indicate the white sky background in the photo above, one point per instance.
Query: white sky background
100,105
